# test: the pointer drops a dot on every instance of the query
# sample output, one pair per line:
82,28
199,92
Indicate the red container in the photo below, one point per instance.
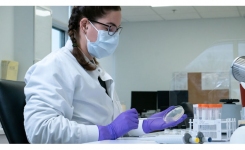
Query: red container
242,90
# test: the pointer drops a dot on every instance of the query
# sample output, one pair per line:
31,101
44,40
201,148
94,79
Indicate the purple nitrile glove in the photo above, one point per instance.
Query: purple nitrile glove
125,122
156,122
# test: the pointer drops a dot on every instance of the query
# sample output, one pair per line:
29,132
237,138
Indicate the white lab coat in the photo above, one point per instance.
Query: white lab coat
64,102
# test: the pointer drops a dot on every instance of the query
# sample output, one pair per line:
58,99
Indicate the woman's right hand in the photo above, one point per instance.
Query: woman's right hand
125,122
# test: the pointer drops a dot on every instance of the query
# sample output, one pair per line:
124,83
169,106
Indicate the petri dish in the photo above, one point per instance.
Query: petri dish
174,114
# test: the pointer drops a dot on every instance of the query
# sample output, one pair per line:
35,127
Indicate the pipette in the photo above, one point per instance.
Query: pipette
203,138
173,139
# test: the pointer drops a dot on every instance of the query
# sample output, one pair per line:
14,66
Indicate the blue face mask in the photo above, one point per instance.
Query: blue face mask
104,46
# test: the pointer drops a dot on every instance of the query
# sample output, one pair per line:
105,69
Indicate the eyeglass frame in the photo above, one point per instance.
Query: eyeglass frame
109,26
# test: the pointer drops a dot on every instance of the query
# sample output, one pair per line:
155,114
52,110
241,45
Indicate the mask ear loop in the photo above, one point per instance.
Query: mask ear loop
94,27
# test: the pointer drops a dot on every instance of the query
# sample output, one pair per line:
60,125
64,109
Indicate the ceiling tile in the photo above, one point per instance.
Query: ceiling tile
215,8
180,16
242,10
219,14
178,9
148,13
136,10
150,17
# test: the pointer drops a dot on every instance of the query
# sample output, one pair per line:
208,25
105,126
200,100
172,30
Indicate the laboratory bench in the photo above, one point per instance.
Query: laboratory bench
3,138
135,140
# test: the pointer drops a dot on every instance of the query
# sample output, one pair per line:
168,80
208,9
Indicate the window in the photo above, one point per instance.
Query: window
58,38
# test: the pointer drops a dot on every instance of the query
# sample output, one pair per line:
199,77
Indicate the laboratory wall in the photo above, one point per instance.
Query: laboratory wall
7,33
60,15
16,24
150,52
24,38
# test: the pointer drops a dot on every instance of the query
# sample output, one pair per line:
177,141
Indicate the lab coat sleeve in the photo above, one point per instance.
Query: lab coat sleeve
139,131
48,111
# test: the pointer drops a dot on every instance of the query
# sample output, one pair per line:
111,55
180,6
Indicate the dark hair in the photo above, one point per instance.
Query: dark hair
92,13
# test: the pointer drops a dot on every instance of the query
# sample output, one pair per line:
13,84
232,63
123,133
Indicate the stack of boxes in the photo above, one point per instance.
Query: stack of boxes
9,70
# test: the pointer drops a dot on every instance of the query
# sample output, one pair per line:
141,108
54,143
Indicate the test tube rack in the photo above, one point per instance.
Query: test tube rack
218,129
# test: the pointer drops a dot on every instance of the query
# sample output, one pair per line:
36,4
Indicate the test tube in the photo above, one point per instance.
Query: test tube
219,109
205,112
204,115
200,114
210,111
200,107
211,114
195,111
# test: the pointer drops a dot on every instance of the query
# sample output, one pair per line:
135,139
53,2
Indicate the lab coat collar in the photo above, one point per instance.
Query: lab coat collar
68,45
103,74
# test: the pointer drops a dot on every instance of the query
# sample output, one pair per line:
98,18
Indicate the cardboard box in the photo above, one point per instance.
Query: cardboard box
9,70
197,95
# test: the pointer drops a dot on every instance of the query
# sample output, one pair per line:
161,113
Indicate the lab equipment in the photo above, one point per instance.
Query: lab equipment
125,122
212,128
230,109
196,138
143,101
208,120
176,97
242,113
202,138
238,136
174,114
238,72
173,139
238,69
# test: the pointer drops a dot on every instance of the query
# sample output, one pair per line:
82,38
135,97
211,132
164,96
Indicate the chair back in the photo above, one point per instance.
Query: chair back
12,102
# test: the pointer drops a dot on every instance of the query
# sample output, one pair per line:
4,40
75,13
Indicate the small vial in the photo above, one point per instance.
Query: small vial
174,114
210,111
200,108
204,111
212,108
217,111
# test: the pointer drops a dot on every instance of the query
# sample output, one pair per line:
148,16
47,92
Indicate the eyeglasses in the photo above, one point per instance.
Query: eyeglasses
112,29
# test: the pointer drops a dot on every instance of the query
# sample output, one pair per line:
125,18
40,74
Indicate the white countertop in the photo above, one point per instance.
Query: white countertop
123,141
1,131
134,140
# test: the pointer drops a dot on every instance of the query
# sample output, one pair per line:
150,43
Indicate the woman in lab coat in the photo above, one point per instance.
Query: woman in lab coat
70,98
